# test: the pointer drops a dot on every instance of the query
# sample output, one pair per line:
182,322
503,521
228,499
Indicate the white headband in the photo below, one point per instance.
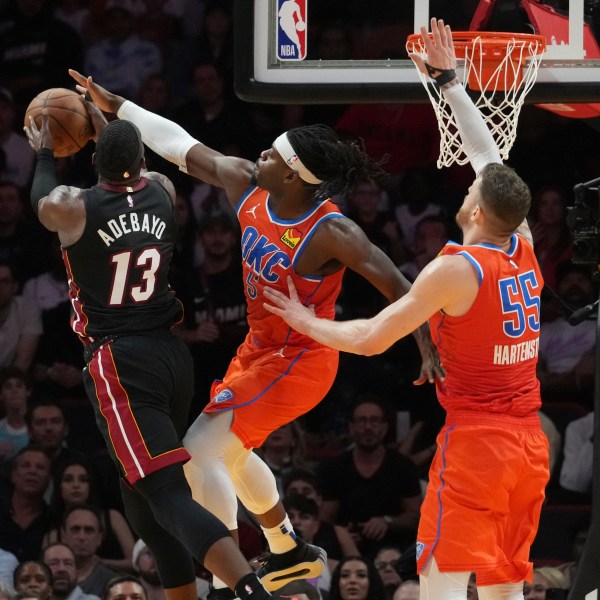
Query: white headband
287,152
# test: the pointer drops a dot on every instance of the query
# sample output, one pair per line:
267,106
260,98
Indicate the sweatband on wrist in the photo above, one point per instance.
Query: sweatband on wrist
44,178
164,137
440,76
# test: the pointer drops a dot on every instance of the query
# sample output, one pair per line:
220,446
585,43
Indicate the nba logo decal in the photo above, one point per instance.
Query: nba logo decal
291,29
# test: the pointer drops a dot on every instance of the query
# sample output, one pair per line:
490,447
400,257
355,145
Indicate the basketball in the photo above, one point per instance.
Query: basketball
300,26
69,121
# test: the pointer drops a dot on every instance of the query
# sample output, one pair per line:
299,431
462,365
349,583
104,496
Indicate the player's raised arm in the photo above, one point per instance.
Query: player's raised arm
478,143
172,142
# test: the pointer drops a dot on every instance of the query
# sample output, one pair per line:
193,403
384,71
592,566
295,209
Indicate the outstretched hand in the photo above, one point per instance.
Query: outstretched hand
431,366
290,309
39,138
439,47
99,121
101,97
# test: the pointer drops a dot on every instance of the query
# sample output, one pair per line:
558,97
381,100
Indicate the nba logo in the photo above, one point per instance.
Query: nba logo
291,29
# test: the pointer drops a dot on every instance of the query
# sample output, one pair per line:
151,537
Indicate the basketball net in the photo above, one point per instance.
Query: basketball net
500,70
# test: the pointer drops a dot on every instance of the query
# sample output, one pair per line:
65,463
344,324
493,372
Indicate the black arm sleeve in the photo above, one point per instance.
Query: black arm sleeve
44,179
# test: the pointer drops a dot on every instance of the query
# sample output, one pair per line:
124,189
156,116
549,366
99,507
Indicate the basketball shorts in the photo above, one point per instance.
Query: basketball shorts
482,506
269,387
141,387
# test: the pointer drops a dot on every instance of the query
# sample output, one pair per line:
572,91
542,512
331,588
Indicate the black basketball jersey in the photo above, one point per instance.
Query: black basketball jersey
118,269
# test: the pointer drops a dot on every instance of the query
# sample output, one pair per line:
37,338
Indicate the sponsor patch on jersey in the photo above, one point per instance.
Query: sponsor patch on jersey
420,548
223,396
291,237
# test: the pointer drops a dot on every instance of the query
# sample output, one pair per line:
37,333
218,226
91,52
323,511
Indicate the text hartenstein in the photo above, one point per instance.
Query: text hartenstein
509,354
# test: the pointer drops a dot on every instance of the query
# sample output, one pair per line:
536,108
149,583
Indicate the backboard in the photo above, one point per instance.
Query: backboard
350,51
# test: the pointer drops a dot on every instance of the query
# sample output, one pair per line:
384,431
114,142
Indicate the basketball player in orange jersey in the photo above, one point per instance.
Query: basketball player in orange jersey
288,228
482,300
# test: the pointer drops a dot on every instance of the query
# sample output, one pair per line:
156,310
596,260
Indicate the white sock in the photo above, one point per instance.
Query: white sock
218,584
281,538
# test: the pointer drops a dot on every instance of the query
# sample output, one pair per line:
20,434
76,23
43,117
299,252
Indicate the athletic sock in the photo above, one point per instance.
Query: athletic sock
281,538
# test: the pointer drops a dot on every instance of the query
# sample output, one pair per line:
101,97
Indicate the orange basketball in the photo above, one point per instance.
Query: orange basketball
69,121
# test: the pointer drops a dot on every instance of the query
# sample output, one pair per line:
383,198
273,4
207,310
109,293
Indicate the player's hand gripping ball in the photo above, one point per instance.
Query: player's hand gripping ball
300,26
69,121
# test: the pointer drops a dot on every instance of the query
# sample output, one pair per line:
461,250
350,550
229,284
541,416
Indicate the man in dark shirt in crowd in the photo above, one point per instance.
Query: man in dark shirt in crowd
370,488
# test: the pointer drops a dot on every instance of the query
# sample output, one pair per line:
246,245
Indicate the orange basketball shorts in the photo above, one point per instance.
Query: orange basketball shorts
268,388
482,506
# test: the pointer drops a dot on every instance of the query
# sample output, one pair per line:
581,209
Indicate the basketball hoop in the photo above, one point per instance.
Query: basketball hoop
501,69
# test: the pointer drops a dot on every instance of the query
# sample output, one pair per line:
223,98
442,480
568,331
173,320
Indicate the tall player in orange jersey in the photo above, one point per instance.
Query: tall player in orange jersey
289,227
482,300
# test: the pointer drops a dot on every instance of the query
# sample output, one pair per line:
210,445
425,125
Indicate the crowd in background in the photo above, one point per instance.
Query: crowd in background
58,490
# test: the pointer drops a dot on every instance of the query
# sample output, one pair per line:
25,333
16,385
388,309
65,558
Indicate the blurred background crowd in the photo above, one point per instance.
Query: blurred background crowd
62,531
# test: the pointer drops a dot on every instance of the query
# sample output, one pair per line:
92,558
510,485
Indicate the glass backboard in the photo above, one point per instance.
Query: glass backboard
317,51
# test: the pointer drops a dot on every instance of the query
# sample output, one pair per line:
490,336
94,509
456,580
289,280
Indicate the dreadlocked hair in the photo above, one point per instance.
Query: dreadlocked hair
119,150
340,164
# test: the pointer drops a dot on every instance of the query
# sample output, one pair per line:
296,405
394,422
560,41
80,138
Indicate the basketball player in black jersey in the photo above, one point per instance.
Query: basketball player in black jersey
117,238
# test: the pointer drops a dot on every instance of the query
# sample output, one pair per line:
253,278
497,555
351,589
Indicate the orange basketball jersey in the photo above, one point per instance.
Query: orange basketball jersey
270,250
490,353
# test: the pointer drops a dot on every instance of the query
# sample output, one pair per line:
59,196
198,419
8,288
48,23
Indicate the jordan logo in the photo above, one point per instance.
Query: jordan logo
252,210
280,352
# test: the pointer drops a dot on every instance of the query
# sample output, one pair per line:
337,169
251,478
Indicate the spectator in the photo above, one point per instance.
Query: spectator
576,471
355,578
407,590
48,429
124,587
20,323
23,511
22,243
60,559
385,562
8,564
431,234
579,537
334,539
36,50
34,576
566,352
16,164
213,43
284,449
188,252
551,236
120,59
415,198
544,579
58,363
374,490
75,482
82,531
212,117
214,302
367,208
15,392
304,516
144,565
